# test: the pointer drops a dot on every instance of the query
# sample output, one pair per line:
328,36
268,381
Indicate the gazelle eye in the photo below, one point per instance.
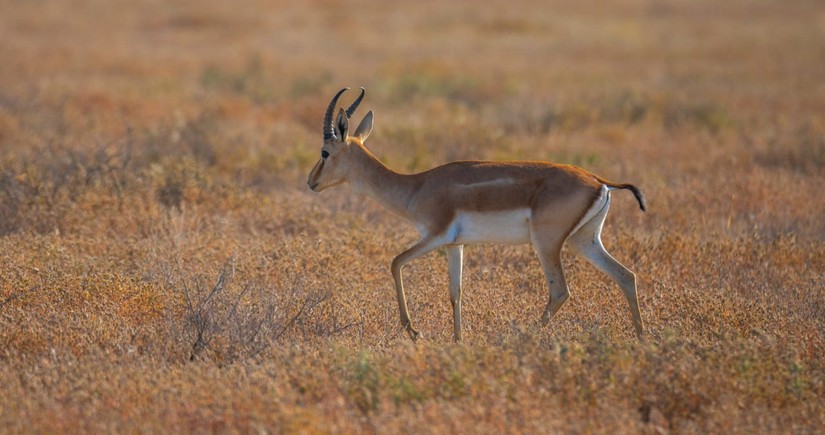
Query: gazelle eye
324,154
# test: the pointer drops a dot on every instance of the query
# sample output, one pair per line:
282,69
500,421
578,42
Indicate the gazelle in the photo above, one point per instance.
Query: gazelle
466,202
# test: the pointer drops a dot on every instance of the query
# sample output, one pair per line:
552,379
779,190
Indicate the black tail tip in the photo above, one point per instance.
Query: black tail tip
639,197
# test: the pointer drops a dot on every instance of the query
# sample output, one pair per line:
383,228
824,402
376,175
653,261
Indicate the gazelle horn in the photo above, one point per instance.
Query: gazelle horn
329,129
355,103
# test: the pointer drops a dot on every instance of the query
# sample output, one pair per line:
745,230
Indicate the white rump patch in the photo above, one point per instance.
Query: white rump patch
598,206
504,226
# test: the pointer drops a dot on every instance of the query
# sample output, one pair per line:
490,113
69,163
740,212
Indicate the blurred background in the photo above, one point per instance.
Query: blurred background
242,87
163,265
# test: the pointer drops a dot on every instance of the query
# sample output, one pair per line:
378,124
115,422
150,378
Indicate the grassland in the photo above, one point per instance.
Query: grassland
163,267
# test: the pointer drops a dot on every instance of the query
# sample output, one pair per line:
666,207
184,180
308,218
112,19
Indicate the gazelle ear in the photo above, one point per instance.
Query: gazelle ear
364,128
341,125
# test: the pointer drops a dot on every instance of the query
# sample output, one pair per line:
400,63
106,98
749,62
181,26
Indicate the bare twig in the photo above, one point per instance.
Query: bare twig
18,295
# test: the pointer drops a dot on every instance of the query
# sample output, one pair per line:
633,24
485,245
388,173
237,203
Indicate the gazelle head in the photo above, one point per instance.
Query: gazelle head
336,162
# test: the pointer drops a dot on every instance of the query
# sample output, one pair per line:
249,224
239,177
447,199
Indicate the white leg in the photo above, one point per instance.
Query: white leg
587,241
455,261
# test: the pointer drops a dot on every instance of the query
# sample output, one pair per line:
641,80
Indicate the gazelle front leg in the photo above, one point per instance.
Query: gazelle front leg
455,260
424,246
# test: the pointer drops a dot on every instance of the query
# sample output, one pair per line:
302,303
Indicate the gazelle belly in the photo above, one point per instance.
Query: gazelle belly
504,226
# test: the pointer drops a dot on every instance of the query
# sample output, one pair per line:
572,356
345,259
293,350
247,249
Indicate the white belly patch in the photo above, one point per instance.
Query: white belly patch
507,226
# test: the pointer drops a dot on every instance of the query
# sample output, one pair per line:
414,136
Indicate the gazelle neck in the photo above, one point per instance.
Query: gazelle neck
392,189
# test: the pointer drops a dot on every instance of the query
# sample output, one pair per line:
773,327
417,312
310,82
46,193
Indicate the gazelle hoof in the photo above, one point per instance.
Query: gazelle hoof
415,335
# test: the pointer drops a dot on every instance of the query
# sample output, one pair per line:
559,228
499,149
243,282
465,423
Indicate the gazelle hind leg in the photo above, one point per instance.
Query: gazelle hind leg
455,260
548,231
587,241
549,253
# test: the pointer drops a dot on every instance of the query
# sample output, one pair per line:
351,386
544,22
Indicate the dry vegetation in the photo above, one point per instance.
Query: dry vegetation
163,267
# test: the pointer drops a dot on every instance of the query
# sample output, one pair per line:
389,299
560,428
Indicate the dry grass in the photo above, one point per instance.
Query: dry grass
164,268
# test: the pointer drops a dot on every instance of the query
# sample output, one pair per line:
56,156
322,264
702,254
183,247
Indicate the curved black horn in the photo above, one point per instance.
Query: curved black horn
355,103
329,129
